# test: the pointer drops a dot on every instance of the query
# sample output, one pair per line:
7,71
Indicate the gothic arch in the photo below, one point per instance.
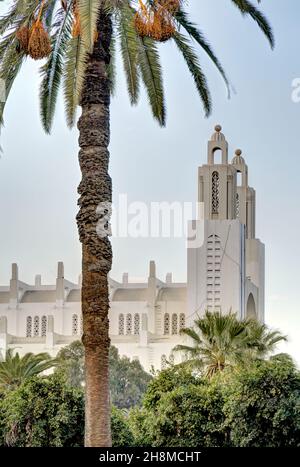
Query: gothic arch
174,324
44,326
166,324
121,324
74,325
36,326
129,324
28,326
251,307
136,324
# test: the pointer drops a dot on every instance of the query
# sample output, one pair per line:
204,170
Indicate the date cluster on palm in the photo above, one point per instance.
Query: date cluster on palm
157,20
34,40
39,45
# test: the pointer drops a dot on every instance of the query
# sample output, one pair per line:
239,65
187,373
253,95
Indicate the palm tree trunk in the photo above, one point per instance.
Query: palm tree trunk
95,188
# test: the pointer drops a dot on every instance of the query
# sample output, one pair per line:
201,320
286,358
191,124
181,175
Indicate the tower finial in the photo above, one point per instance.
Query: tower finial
238,158
218,135
217,142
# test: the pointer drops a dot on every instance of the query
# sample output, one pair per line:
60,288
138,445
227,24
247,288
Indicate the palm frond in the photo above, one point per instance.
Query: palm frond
74,72
9,69
151,73
6,21
192,333
88,12
185,348
183,20
247,8
15,369
111,67
129,43
192,61
52,71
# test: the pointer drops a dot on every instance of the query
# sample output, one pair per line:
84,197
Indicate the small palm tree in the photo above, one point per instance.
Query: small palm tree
77,38
221,341
15,369
261,341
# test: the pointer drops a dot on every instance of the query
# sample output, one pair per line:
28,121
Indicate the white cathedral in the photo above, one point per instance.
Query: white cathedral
225,271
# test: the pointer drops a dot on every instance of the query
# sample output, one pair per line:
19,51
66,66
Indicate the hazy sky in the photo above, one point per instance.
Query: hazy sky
39,174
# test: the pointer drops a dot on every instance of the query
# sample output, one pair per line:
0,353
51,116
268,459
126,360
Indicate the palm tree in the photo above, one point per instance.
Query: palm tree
261,341
15,369
80,57
220,341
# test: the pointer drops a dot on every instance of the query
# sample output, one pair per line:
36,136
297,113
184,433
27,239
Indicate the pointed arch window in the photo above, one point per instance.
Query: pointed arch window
121,324
28,326
215,192
166,324
44,326
181,321
129,324
74,325
36,326
136,324
174,324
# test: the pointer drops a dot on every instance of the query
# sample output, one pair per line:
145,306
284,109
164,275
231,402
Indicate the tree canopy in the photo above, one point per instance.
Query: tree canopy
218,341
128,380
14,370
69,28
254,406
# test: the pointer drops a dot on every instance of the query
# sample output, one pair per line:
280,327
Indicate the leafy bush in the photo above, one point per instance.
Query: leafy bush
252,406
42,412
180,410
128,379
121,432
48,412
262,405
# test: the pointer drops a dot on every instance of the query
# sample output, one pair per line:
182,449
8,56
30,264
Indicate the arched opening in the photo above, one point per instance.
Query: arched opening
239,179
181,321
74,325
136,324
28,326
129,324
36,326
217,156
174,324
121,324
44,326
166,324
251,308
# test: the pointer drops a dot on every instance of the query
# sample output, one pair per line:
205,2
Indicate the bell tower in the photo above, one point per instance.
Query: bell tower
245,195
225,260
217,181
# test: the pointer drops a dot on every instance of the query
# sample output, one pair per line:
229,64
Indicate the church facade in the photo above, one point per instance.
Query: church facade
225,271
